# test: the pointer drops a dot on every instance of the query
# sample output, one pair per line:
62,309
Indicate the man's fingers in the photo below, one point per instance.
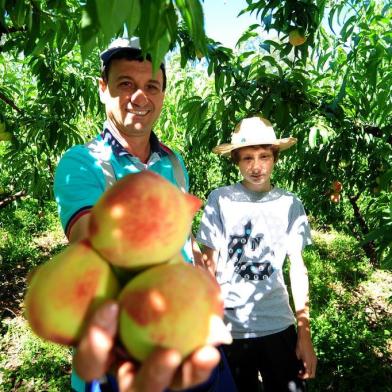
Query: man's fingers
157,371
126,377
197,368
204,361
93,355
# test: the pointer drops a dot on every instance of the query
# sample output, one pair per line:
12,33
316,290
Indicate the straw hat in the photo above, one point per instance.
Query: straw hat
253,131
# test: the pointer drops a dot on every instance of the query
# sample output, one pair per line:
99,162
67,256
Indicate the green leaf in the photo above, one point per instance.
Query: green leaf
171,22
39,47
112,14
88,29
192,13
34,32
274,63
386,179
345,32
275,44
160,49
245,37
149,20
133,19
330,19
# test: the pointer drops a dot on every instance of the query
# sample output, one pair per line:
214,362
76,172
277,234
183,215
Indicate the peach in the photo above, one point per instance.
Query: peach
63,291
336,186
335,197
296,38
171,306
142,220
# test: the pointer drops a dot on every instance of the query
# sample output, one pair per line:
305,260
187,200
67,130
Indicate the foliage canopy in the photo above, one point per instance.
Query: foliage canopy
332,93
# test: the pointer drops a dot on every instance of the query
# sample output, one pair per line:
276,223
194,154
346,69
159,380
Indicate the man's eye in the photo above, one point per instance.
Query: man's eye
126,84
153,88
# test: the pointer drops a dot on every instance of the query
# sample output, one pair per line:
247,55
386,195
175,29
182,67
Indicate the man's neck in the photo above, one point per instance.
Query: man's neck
138,146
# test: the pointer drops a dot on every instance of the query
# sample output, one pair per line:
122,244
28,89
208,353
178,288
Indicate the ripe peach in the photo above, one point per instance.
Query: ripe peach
63,292
335,197
296,38
336,186
172,306
141,221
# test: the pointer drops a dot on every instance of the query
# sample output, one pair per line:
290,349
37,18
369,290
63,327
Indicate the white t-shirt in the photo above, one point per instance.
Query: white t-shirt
253,232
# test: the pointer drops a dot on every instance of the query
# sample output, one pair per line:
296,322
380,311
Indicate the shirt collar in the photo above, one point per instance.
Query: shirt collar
119,150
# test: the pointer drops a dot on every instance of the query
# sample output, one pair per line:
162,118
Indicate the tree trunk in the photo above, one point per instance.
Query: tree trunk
369,247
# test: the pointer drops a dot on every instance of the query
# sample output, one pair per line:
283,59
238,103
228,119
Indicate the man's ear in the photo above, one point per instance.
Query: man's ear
102,89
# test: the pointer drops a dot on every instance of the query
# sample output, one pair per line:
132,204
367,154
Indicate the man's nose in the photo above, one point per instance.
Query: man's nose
139,97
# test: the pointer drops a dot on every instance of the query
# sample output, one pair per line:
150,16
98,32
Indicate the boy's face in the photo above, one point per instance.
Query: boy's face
256,164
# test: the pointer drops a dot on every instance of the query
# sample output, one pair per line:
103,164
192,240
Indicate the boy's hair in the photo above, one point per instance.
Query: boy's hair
131,54
235,154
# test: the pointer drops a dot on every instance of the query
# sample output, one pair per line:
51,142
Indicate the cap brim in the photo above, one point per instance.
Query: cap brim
109,53
226,148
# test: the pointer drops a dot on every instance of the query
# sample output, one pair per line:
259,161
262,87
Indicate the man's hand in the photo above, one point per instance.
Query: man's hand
97,354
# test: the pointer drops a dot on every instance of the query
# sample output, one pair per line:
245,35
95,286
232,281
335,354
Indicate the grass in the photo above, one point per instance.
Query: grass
29,235
351,316
350,309
28,363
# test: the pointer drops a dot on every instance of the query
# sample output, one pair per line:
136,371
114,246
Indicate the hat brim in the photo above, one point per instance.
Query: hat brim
226,148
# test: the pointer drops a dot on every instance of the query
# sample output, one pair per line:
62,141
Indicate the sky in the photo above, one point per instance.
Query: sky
221,22
223,25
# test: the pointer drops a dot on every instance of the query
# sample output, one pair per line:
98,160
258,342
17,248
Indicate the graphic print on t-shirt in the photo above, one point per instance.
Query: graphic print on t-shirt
246,267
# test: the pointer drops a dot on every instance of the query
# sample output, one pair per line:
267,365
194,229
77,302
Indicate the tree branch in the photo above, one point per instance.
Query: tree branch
10,103
9,199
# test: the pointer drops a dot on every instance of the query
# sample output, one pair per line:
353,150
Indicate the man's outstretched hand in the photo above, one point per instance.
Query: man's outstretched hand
98,354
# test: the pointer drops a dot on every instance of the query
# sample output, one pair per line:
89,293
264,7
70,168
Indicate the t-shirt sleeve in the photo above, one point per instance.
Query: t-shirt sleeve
211,228
78,184
299,235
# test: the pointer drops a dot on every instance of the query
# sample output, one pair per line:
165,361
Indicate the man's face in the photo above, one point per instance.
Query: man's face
133,97
256,164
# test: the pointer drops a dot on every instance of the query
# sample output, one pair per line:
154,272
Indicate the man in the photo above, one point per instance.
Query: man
133,98
247,230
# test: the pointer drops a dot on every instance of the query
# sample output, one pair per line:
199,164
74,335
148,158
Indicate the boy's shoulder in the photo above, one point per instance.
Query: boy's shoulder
223,191
288,194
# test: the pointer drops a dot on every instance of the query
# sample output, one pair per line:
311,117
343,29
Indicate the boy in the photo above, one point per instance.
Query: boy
247,230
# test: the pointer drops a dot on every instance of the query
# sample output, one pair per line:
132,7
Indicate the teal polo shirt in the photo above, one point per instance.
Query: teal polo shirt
80,181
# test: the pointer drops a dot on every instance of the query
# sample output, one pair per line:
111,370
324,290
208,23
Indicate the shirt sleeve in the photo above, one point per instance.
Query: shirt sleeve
298,230
211,227
78,184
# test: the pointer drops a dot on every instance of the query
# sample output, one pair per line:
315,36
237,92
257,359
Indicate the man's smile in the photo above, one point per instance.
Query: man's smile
139,112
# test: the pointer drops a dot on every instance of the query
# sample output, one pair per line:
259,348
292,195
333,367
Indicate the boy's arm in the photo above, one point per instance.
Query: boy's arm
207,259
300,291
